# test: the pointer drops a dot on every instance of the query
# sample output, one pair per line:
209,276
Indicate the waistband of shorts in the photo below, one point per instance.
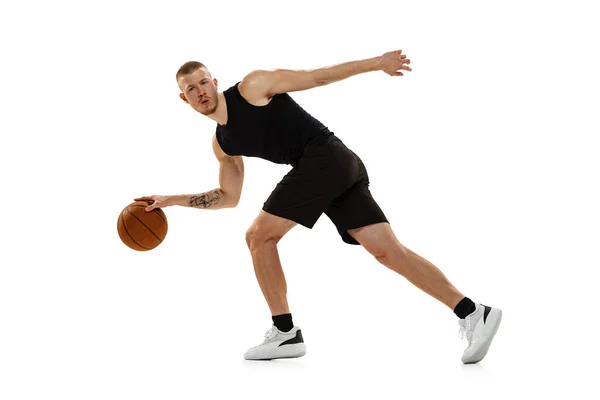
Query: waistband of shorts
322,139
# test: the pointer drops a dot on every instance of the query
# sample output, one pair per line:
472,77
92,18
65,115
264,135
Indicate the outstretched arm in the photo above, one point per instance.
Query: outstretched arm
262,83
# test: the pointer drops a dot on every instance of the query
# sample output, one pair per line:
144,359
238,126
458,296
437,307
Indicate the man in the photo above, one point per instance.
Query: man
256,117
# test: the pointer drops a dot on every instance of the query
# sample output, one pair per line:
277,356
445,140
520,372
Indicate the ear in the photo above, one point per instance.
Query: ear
182,96
216,82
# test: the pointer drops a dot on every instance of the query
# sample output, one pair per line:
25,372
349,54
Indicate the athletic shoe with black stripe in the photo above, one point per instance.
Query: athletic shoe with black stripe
278,344
479,327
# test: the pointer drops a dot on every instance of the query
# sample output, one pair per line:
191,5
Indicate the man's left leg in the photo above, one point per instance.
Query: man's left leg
381,242
479,322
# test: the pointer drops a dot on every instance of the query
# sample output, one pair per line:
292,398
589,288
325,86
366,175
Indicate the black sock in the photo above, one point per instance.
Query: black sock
283,322
464,308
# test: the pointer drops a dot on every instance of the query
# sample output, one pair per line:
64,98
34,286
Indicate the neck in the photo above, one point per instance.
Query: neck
220,114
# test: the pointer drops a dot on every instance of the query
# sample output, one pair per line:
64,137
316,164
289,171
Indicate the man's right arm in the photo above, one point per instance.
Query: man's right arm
231,181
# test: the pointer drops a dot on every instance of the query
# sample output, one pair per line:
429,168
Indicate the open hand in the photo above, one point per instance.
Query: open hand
393,62
155,201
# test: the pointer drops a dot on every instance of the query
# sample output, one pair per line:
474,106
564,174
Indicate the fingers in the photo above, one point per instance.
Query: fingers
152,205
394,73
148,199
405,66
397,72
397,62
403,60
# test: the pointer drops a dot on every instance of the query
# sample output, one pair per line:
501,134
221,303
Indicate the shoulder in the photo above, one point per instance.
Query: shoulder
255,86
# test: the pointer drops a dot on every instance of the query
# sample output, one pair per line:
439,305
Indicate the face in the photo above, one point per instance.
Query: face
199,90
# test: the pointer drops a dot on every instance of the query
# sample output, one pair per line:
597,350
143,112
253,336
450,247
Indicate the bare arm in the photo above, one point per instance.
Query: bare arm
231,181
231,175
227,195
260,83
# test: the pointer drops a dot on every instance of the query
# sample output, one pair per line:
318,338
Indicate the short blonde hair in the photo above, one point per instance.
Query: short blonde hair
188,68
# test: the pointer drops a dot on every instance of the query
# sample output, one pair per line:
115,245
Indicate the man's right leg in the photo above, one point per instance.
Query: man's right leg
283,339
262,238
301,197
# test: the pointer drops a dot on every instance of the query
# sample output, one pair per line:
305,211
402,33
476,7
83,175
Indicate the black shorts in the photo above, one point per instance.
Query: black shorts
329,178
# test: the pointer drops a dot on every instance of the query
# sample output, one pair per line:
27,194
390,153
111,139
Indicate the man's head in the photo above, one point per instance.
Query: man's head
198,88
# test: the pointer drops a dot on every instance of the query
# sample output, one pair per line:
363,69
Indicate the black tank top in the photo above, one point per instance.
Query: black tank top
277,132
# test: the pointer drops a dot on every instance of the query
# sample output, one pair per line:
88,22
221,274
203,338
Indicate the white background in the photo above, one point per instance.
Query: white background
484,158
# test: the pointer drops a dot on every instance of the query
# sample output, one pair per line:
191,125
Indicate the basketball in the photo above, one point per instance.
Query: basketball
142,230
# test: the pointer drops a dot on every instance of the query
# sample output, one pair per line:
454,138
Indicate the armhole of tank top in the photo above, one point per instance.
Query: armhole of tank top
238,95
246,103
220,141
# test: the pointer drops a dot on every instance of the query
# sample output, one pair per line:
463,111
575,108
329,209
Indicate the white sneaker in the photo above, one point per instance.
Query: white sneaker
278,344
479,327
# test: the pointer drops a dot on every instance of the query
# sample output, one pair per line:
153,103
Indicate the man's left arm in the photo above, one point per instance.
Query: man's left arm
263,83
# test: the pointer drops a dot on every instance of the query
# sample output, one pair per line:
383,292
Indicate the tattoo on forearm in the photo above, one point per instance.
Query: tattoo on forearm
205,200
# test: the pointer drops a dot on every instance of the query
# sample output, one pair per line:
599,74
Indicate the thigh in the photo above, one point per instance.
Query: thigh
355,208
309,188
378,239
270,226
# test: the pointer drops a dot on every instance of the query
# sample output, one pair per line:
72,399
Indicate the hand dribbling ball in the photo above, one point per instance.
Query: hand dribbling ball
142,230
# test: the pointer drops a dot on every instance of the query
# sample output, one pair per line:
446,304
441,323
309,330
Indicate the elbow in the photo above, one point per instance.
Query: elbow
321,77
230,200
320,80
230,203
315,77
234,199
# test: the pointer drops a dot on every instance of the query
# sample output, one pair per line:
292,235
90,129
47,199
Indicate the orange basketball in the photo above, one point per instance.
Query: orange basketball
140,229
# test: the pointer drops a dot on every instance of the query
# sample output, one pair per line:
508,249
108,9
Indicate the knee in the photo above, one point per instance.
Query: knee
257,237
390,255
382,257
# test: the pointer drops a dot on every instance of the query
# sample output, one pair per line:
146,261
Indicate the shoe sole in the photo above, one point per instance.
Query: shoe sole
487,342
287,351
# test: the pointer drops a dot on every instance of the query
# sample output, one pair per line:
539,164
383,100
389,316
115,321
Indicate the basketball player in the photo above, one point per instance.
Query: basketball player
256,117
